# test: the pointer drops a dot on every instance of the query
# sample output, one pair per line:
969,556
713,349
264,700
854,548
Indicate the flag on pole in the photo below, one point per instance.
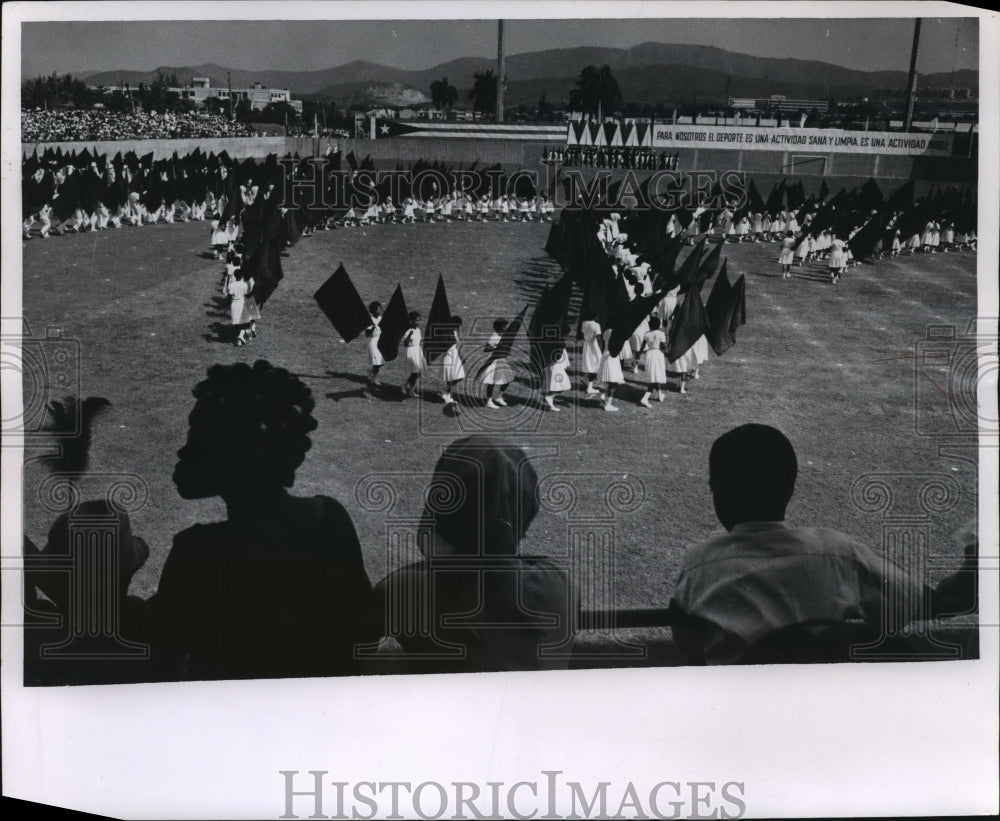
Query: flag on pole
343,306
726,311
506,343
439,333
690,325
394,324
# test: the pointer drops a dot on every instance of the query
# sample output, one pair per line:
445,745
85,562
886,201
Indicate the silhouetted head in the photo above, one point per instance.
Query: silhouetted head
752,472
94,538
499,325
654,323
248,432
375,308
414,317
481,499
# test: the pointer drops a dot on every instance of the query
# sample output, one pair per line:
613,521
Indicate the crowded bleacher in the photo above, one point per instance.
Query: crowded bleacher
100,124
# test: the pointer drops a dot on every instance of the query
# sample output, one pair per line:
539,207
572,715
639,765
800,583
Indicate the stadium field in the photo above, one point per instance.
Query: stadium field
831,366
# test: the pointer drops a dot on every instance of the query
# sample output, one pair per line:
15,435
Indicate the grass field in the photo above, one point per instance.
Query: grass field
831,366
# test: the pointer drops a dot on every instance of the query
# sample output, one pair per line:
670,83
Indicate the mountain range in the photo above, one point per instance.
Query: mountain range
646,73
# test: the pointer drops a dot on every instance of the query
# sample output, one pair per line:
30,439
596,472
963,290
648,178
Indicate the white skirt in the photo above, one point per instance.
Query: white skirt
656,367
414,360
374,354
452,368
787,256
591,356
700,349
687,361
498,372
610,370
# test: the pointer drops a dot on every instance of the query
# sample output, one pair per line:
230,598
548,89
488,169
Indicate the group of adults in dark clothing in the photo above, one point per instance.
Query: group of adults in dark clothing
279,589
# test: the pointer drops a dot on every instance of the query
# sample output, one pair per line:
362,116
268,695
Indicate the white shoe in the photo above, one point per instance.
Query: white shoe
610,407
448,399
683,389
500,401
645,402
697,373
592,391
491,404
659,396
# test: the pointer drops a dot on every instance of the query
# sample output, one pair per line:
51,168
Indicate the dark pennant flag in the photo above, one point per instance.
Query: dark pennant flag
506,343
395,322
690,324
438,335
343,306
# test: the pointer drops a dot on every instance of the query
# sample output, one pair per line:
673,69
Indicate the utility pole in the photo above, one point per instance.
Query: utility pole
500,72
911,83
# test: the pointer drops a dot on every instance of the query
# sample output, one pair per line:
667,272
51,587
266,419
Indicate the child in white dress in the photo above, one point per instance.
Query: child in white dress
787,255
413,353
591,355
654,344
498,374
555,379
610,373
452,369
373,332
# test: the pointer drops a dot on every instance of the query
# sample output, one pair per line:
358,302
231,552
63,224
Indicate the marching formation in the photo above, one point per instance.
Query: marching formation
842,231
642,310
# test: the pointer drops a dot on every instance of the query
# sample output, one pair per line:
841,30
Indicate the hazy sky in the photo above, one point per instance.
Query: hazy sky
873,44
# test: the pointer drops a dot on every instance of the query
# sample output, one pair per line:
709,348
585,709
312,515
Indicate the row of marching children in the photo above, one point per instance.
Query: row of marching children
636,316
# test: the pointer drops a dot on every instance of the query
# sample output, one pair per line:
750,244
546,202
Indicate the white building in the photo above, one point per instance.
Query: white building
200,89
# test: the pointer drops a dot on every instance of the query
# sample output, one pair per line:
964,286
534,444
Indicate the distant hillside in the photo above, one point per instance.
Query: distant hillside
649,72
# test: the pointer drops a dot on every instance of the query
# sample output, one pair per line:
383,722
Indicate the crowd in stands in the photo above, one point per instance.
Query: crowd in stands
42,126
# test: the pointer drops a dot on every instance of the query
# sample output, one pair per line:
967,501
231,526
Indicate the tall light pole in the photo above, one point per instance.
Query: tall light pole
911,83
500,72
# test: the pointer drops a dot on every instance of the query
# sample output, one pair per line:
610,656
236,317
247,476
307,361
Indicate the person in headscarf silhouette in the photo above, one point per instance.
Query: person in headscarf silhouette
474,603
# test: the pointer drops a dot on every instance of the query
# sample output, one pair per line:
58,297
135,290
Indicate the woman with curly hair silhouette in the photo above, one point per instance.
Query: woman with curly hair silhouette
279,588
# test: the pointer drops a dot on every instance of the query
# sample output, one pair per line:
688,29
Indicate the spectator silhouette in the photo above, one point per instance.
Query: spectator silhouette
474,604
769,591
81,626
278,589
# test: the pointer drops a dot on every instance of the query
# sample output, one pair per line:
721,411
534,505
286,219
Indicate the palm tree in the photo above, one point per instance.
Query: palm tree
484,92
596,91
443,95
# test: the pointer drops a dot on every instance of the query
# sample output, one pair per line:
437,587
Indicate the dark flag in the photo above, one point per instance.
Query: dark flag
870,196
691,323
395,323
553,244
689,268
754,199
552,308
726,311
824,191
796,196
775,198
506,343
343,306
352,161
863,243
636,311
265,267
707,266
438,336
